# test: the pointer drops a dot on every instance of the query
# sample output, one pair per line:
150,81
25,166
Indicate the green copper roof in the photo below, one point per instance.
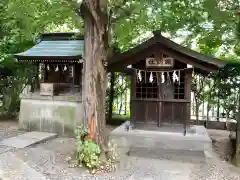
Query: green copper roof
48,49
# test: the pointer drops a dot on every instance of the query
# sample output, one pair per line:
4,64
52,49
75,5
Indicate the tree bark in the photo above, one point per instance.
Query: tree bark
94,14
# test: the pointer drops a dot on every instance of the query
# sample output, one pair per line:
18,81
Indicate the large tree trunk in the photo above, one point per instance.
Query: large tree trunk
94,13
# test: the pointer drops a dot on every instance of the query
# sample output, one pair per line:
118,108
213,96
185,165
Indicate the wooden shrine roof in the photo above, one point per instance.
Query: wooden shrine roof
160,43
55,47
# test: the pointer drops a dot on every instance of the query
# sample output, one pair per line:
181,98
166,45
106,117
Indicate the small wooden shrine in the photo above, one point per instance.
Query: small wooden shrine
54,103
161,73
58,61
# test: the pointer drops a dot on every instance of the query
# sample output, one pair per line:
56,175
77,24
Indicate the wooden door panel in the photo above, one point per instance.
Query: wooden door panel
179,113
166,112
152,112
140,113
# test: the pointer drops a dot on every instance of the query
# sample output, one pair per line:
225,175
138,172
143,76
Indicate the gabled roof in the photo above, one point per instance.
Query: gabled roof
167,47
55,46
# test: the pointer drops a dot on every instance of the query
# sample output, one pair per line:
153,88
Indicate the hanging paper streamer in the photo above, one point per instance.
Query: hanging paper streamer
151,78
40,72
48,68
65,68
56,68
175,77
162,77
139,75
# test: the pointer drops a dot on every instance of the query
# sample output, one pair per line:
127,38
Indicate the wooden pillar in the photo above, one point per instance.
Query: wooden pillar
37,76
160,112
187,87
73,77
132,96
218,106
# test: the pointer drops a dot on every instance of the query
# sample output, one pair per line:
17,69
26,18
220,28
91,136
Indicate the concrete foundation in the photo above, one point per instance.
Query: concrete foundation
57,114
196,139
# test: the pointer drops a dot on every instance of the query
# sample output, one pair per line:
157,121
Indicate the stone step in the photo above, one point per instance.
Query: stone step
27,139
169,154
12,168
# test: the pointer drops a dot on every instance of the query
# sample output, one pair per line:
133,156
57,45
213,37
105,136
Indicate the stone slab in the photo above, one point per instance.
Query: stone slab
39,135
12,168
27,139
4,149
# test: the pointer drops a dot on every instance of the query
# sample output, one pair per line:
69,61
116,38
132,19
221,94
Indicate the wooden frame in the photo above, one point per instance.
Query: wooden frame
161,62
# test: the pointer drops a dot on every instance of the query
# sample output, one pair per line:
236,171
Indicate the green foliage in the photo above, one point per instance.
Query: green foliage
88,152
12,85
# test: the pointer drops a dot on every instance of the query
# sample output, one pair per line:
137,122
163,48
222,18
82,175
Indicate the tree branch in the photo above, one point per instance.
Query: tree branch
120,6
74,6
127,12
88,6
96,10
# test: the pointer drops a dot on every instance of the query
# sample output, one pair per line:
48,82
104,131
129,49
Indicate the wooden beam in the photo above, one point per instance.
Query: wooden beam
133,59
188,60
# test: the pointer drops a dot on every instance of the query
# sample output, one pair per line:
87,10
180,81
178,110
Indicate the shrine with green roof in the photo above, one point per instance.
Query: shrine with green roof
55,100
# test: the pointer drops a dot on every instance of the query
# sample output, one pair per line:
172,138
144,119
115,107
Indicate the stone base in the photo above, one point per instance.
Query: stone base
58,114
196,140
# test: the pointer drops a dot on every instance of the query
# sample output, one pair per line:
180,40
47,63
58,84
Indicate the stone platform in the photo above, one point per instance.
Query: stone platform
195,142
56,114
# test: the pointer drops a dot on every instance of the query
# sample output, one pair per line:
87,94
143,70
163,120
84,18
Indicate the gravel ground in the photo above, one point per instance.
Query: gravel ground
9,129
49,158
217,168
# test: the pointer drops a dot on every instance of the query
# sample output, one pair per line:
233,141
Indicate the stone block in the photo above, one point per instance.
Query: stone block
47,115
198,142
